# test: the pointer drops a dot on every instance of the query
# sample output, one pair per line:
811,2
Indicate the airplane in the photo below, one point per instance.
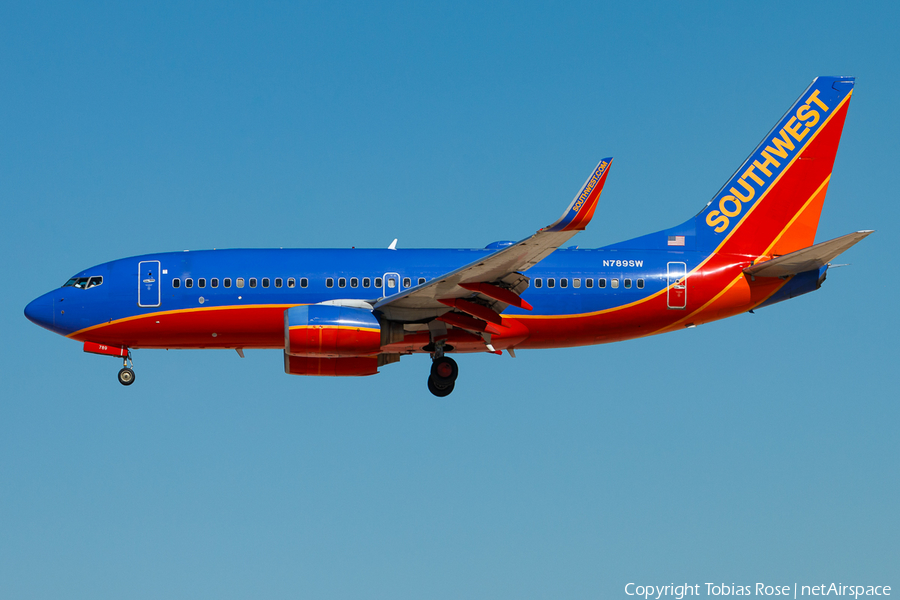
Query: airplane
348,312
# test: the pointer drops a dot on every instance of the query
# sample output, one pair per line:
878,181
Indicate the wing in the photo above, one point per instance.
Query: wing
484,288
806,259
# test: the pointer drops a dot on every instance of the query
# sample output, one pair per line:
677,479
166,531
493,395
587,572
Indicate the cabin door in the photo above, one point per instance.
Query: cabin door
391,284
148,283
676,293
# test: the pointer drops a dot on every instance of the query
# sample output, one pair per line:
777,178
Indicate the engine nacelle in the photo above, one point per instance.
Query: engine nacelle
330,367
330,331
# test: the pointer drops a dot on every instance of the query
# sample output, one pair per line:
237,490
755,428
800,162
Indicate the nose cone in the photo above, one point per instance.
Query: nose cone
40,311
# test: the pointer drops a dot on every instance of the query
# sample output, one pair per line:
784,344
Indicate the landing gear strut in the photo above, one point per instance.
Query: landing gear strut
126,375
444,372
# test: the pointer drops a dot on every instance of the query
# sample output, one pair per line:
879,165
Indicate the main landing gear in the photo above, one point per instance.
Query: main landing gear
126,375
444,372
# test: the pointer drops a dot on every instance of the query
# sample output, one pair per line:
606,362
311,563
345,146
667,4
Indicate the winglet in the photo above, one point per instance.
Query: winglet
580,212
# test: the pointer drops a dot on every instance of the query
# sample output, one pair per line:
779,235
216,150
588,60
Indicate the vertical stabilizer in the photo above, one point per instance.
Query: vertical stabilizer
772,203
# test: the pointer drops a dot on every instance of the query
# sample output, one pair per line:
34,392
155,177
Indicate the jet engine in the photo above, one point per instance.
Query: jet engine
331,331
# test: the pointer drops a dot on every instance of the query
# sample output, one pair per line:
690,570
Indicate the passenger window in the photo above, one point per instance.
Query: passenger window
303,282
94,282
227,282
421,280
240,282
354,282
188,283
589,282
406,282
563,282
265,282
576,283
201,283
537,282
329,282
253,282
378,282
627,284
640,284
551,282
614,282
214,282
601,283
342,282
278,282
366,282
392,283
291,282
176,283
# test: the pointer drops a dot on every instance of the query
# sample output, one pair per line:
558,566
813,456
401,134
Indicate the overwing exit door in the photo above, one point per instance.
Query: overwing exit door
676,293
391,284
148,283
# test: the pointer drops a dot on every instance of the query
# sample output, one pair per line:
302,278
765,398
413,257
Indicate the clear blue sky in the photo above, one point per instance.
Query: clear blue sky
763,448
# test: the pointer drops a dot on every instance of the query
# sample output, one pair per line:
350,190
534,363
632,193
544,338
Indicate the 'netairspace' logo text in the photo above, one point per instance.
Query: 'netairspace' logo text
760,589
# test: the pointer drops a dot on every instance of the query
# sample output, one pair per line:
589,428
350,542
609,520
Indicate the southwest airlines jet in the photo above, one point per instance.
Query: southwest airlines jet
350,312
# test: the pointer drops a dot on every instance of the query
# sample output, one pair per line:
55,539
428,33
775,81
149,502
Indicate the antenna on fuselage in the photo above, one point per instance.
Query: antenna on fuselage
393,245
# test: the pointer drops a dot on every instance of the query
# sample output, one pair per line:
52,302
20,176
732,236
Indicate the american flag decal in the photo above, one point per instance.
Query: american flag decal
676,240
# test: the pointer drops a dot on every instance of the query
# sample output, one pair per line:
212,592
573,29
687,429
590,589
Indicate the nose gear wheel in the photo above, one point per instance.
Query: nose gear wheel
126,376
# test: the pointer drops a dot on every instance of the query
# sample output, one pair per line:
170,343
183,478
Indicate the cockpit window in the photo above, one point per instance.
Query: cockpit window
83,283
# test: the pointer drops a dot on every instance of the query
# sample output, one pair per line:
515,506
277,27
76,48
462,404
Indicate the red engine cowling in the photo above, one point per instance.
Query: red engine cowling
328,331
330,367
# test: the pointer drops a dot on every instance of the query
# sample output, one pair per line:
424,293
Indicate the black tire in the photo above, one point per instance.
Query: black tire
444,370
440,390
126,376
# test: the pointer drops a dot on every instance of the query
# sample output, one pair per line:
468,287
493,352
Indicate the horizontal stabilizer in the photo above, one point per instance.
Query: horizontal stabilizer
806,259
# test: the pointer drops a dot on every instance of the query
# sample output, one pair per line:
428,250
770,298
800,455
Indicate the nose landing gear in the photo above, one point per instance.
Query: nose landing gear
444,372
126,374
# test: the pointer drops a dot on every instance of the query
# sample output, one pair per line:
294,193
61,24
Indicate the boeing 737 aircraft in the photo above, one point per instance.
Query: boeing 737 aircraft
349,312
